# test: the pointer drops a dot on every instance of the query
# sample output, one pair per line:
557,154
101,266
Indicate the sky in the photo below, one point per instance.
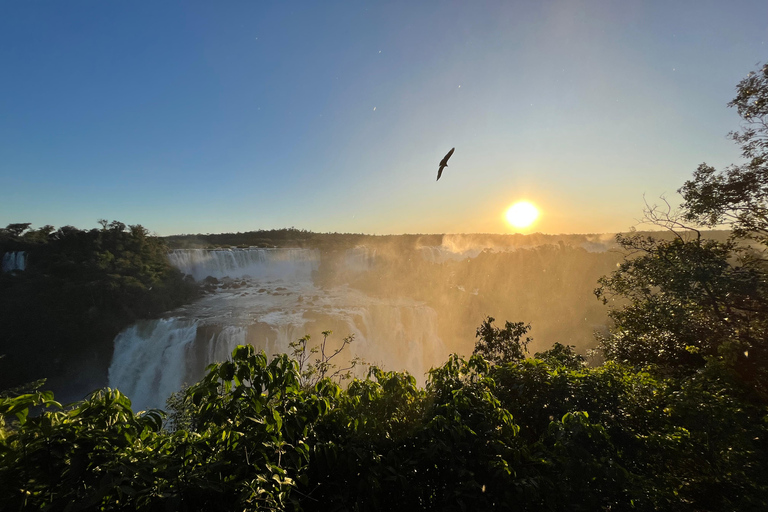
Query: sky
207,117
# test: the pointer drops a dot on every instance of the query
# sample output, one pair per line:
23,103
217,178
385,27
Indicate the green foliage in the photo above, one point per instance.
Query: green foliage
79,290
562,355
260,419
535,434
313,371
243,449
502,345
687,302
90,455
737,196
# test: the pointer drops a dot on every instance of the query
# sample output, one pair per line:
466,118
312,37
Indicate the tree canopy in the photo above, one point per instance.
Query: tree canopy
537,434
683,302
80,288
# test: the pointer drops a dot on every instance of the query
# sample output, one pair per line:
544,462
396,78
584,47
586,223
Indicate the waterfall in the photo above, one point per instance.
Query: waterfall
154,358
274,303
220,345
398,337
359,259
15,260
253,262
150,360
441,253
288,263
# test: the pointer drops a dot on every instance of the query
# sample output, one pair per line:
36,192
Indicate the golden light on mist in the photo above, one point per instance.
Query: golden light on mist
522,214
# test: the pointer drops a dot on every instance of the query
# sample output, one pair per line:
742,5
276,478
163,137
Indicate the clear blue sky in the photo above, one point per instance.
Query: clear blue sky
205,116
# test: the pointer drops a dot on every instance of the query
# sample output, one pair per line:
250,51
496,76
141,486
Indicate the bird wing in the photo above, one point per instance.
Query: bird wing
444,161
440,172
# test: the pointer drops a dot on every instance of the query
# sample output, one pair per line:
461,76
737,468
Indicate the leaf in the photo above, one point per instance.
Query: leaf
21,415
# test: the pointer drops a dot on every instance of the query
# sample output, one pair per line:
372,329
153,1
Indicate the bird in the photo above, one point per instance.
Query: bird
444,163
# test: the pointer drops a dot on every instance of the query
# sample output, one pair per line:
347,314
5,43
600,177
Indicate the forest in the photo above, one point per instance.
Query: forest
674,418
81,287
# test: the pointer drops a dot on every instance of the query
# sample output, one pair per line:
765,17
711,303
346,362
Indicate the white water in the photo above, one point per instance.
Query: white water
442,253
275,303
253,262
150,359
359,259
16,260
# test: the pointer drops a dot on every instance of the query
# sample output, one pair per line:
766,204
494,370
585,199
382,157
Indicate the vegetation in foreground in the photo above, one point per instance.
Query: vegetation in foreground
492,432
675,419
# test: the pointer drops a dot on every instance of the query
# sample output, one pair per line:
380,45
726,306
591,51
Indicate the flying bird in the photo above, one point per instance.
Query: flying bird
444,163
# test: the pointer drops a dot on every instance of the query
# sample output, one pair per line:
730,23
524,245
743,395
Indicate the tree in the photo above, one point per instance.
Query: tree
680,303
684,301
501,346
314,370
15,230
562,355
83,288
737,196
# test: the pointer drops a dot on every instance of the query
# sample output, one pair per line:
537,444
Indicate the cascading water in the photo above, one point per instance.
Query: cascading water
253,262
359,259
155,358
15,260
150,359
274,303
440,253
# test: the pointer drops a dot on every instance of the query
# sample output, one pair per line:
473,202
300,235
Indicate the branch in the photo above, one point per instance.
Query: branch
667,218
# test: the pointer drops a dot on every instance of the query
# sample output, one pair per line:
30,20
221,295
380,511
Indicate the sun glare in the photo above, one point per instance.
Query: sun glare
522,214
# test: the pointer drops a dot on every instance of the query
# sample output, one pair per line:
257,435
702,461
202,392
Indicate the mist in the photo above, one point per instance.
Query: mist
407,301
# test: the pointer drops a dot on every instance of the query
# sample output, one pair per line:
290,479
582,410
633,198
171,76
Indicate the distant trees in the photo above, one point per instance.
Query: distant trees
14,230
291,237
16,235
688,301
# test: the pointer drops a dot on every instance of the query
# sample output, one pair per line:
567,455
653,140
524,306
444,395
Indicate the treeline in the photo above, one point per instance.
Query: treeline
286,237
59,317
301,238
292,237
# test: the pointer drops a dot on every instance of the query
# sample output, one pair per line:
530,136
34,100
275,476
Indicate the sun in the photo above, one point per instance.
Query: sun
522,214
